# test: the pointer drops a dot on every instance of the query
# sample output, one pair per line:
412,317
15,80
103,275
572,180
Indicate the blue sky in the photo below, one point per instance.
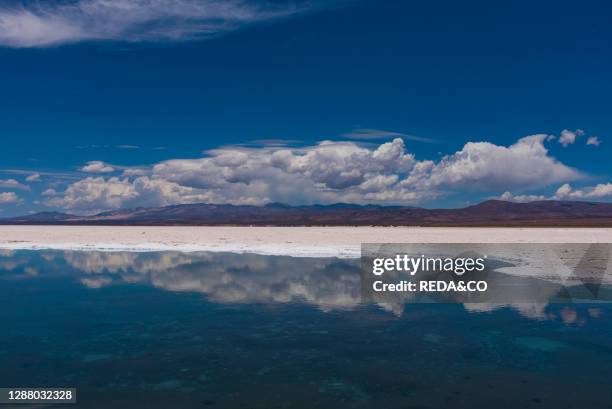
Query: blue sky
239,95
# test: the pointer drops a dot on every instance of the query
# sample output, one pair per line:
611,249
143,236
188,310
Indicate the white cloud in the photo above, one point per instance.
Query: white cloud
568,137
96,166
600,191
339,165
134,171
96,193
593,140
566,192
12,184
96,282
9,197
34,177
113,193
485,166
43,24
328,172
49,192
522,198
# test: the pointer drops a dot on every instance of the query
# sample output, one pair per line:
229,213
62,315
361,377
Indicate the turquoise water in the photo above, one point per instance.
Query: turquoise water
214,330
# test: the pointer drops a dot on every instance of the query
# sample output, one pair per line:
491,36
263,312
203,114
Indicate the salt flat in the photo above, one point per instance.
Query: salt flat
294,241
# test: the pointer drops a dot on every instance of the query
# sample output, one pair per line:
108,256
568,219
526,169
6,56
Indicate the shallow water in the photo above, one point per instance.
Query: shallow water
173,330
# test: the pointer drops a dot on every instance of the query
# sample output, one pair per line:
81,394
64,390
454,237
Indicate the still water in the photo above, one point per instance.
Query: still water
220,330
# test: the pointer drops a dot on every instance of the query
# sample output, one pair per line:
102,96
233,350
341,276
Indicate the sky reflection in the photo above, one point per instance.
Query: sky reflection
327,283
160,330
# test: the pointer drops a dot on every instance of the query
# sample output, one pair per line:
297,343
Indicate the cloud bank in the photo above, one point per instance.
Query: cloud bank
52,23
566,192
327,172
602,190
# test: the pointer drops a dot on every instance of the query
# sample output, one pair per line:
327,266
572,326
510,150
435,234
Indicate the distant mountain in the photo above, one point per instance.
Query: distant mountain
42,217
488,213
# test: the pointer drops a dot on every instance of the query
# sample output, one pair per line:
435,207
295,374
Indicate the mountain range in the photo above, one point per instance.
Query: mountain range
488,213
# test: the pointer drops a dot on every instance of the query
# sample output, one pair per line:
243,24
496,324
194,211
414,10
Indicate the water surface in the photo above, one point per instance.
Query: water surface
176,330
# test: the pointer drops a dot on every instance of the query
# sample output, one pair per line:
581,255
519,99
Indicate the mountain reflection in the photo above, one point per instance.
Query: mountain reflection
228,278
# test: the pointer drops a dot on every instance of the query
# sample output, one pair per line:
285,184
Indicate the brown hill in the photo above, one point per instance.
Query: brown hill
488,213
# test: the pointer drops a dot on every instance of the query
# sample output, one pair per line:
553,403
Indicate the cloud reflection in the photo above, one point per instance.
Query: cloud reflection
228,278
326,283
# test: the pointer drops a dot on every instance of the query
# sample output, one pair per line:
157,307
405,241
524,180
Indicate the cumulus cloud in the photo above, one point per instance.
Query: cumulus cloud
485,166
568,137
12,184
43,24
98,193
34,177
522,198
338,165
327,172
9,197
593,140
566,192
96,166
600,191
49,192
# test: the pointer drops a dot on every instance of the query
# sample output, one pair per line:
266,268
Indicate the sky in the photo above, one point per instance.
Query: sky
126,103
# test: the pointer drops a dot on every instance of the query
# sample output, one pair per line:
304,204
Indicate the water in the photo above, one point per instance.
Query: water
206,330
